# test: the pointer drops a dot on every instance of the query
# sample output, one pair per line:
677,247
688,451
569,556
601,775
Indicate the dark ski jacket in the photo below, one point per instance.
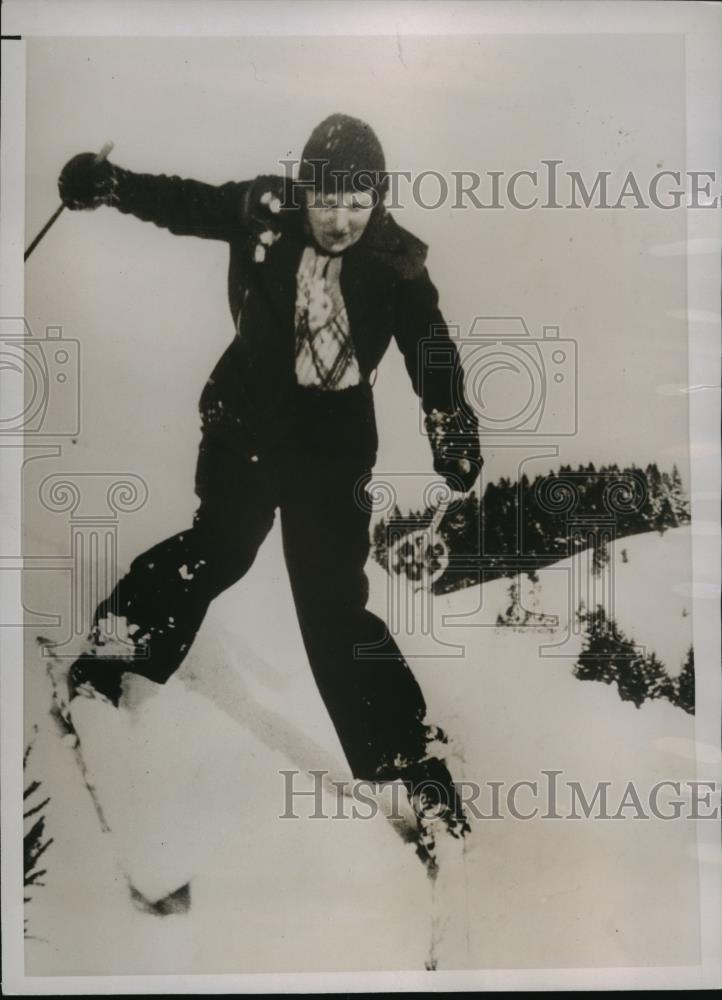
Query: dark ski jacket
386,289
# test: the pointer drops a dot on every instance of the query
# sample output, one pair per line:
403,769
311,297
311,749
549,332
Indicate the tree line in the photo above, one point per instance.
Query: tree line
524,525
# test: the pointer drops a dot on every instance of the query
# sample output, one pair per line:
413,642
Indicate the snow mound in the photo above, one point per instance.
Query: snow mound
192,785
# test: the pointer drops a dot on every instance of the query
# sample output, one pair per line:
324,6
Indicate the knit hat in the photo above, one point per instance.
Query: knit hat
343,154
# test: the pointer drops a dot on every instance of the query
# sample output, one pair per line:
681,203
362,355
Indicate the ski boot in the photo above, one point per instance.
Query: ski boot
93,677
437,806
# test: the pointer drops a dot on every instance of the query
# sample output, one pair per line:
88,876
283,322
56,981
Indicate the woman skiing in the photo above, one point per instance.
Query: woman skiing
320,279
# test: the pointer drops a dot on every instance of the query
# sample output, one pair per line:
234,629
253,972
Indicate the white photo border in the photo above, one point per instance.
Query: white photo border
701,25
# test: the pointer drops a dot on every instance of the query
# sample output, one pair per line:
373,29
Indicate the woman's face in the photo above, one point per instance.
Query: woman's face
338,220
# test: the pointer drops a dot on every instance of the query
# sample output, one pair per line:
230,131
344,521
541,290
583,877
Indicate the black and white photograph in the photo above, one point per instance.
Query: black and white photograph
360,454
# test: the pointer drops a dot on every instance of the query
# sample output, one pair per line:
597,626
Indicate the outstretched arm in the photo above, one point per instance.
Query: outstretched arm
185,207
432,361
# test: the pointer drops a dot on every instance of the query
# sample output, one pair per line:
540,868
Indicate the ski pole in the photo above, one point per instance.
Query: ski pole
438,517
102,155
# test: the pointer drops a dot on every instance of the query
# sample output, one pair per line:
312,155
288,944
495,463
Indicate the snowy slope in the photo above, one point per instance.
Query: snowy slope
555,892
191,788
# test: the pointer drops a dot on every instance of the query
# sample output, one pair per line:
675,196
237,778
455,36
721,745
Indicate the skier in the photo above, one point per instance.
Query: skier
320,278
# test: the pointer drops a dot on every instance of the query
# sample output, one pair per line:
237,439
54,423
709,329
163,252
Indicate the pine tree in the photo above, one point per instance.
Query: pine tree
657,682
611,657
380,547
684,686
471,529
495,539
532,538
654,501
597,659
667,514
680,501
600,553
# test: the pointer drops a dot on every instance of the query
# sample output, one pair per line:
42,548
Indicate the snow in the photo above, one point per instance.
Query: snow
190,783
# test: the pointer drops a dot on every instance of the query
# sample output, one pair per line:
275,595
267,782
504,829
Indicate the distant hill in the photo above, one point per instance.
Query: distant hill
526,525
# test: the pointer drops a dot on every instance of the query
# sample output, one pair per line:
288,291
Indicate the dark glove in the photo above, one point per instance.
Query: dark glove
87,181
455,446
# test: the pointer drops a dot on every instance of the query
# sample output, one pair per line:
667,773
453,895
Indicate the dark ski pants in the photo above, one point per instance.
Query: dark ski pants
374,700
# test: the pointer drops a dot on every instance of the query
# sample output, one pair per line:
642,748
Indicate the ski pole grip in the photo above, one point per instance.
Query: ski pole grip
99,157
104,152
453,497
439,515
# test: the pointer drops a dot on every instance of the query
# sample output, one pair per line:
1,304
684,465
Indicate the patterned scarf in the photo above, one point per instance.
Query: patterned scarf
324,350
